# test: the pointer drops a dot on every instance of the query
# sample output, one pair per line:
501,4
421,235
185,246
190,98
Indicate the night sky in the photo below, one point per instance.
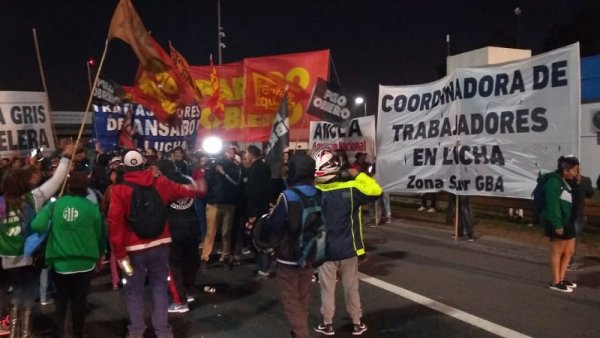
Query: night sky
372,41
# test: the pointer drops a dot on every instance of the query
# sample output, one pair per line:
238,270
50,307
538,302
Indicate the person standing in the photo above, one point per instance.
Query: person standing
222,181
285,224
149,257
258,193
76,242
582,188
555,218
344,192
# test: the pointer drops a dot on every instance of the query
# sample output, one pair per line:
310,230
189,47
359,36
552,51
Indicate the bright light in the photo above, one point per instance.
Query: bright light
212,145
91,62
359,100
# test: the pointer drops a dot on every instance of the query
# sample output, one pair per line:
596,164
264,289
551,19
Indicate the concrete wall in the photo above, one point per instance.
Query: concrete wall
485,56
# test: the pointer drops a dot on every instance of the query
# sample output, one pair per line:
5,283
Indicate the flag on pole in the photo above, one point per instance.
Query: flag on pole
127,26
159,86
279,139
126,133
183,67
215,100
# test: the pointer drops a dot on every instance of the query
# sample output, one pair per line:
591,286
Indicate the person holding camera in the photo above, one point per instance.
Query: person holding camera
222,180
343,194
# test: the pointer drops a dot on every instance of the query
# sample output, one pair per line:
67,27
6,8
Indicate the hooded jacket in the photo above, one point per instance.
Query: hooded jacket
341,205
222,188
121,235
557,200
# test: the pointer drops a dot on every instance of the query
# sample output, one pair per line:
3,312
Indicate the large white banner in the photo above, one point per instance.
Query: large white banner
481,131
357,136
25,123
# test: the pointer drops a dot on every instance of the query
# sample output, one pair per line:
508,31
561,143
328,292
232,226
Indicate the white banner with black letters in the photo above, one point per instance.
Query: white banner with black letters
481,131
25,123
357,136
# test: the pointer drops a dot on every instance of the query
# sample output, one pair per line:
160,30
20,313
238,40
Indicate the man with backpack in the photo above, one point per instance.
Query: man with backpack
287,226
137,218
344,192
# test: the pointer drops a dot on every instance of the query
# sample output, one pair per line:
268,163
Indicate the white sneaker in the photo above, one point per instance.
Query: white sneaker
431,210
178,308
421,209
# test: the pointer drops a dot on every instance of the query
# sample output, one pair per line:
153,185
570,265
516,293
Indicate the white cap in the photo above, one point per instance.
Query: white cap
115,159
133,159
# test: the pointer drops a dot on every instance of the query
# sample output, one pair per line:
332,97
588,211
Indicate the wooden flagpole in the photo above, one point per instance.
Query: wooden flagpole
87,109
39,59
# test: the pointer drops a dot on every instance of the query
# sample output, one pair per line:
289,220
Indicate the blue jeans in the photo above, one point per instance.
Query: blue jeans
263,261
46,286
154,263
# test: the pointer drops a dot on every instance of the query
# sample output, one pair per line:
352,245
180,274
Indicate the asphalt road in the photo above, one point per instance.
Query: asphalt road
417,282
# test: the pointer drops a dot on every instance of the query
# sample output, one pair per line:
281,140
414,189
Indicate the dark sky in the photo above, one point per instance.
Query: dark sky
372,41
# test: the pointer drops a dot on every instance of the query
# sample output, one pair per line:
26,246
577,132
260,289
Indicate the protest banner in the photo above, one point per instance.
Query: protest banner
357,136
25,123
110,114
481,131
328,103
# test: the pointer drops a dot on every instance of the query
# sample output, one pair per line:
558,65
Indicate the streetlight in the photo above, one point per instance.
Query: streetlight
518,13
361,100
89,63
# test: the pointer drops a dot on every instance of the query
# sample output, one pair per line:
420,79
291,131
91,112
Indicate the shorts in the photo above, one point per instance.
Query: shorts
550,231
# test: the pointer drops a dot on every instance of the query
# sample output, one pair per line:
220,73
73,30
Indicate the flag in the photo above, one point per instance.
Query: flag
215,100
126,133
163,91
280,138
183,67
328,103
127,26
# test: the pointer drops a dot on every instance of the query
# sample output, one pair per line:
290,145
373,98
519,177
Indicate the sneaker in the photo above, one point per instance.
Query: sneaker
471,239
246,251
262,276
178,308
315,278
421,209
388,220
568,284
358,329
5,326
47,301
190,298
431,210
326,329
236,262
560,287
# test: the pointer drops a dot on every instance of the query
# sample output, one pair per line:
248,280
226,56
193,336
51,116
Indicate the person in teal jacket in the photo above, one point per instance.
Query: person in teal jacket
555,219
74,246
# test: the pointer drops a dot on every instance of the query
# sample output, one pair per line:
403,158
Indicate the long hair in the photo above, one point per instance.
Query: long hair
15,184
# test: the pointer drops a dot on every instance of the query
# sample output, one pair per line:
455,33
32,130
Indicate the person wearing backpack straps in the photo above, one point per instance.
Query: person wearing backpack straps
22,199
149,256
555,217
285,225
344,192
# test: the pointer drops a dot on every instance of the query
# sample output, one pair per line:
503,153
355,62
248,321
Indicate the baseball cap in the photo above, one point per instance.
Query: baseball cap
133,158
115,159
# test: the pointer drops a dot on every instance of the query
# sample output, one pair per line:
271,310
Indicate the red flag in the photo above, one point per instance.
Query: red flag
183,67
126,133
215,100
163,91
127,26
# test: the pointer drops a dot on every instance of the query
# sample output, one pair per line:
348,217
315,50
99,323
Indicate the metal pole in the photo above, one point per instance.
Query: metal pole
219,43
365,107
89,72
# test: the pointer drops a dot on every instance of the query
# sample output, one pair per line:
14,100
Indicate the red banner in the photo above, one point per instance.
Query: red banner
266,80
231,85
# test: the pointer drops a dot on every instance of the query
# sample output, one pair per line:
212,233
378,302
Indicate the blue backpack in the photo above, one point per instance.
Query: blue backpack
312,238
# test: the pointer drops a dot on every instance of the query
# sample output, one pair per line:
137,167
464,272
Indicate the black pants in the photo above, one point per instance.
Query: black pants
184,263
71,288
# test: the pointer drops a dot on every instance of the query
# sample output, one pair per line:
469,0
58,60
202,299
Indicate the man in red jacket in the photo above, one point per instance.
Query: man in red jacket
148,256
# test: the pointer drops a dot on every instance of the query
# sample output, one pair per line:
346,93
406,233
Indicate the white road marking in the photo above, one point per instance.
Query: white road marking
443,308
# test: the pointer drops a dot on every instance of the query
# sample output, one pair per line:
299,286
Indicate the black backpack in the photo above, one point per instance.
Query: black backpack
311,241
539,200
147,214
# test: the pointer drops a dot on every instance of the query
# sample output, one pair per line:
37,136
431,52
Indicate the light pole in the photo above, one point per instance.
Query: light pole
518,13
361,100
89,63
220,33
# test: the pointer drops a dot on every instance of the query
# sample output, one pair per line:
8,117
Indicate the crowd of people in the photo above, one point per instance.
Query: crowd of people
156,218
207,200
